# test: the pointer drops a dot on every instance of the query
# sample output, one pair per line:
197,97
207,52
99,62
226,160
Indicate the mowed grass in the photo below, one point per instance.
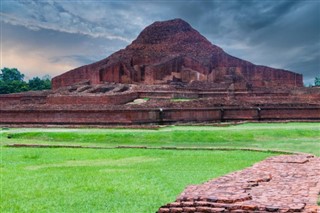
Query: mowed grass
131,180
107,180
295,137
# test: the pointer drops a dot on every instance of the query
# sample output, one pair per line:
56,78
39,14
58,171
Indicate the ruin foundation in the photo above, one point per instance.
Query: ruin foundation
277,184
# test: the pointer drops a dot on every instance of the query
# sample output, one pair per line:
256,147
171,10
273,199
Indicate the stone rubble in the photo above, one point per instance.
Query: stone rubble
287,183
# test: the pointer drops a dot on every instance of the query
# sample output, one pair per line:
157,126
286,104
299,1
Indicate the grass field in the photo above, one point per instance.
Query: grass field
131,180
296,137
107,180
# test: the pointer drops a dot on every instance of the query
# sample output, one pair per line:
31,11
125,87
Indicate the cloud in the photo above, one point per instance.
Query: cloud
17,59
51,15
72,59
281,34
51,52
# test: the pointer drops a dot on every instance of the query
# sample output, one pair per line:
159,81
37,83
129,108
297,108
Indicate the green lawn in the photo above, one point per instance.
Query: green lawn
107,180
131,180
296,137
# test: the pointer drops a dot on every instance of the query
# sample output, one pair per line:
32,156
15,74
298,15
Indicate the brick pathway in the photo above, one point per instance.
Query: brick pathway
286,183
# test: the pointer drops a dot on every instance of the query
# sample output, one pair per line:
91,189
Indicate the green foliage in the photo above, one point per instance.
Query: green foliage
13,74
107,180
12,81
39,84
317,81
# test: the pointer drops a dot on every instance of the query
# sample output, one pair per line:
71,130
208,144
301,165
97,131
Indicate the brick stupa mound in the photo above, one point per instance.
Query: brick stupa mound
172,51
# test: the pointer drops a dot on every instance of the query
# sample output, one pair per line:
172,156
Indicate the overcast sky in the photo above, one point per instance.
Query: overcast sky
54,36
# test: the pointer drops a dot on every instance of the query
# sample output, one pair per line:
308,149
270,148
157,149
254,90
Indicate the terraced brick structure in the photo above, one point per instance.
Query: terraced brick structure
277,184
172,51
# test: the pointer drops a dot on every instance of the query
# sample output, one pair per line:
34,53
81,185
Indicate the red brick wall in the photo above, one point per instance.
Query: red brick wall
12,99
75,76
77,117
298,113
108,100
257,76
191,115
153,115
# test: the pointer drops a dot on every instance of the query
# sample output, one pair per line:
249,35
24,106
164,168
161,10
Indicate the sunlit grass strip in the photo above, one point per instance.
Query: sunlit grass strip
181,99
290,137
107,180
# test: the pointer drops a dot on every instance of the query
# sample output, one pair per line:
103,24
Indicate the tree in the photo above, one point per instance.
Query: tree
39,84
11,74
11,81
317,81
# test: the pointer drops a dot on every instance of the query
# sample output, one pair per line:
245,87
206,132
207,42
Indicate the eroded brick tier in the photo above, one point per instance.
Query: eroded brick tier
172,51
115,104
289,183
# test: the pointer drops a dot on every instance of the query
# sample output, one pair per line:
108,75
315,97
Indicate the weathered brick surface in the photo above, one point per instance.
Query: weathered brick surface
106,99
84,104
288,183
172,51
66,115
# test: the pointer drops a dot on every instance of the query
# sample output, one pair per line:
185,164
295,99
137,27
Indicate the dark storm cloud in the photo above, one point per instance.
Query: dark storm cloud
255,16
283,34
70,17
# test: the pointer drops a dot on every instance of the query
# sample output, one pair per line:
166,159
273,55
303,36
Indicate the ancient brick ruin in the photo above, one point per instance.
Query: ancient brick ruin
171,61
167,62
172,51
277,184
68,106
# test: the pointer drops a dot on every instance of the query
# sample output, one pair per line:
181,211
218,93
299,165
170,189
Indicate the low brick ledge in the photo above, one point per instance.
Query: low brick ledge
285,183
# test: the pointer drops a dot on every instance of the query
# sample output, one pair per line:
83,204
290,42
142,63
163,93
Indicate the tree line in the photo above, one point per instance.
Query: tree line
12,81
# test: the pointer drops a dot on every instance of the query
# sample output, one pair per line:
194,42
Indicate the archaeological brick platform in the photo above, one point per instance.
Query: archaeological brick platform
288,183
68,106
